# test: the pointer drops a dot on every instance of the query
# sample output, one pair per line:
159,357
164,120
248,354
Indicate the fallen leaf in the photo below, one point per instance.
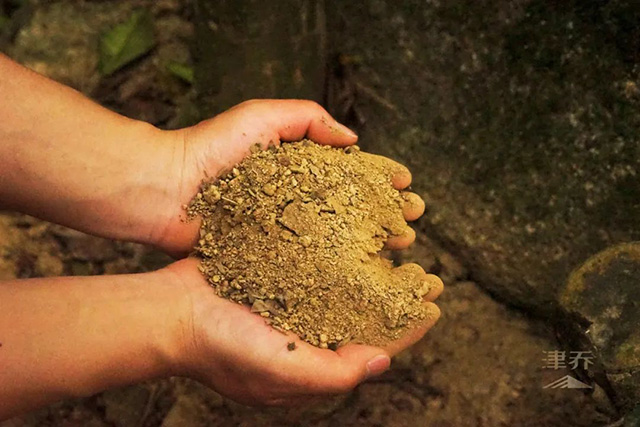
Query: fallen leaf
182,71
126,42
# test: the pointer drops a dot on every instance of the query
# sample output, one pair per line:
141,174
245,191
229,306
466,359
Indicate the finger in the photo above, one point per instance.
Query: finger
323,372
413,206
293,120
400,175
410,271
401,178
416,332
436,287
401,241
432,286
377,360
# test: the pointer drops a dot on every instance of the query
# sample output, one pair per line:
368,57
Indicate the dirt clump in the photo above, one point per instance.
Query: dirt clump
295,232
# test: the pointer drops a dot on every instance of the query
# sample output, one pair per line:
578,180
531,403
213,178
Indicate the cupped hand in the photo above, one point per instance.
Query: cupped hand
214,146
234,351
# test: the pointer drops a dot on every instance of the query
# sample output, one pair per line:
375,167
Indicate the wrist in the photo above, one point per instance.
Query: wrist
149,187
75,336
172,334
190,298
168,227
147,338
68,160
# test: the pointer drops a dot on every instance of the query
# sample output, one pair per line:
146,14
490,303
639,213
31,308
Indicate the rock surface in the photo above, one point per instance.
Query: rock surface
521,118
268,50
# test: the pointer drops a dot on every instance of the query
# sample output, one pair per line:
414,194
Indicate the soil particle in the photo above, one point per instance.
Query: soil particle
295,232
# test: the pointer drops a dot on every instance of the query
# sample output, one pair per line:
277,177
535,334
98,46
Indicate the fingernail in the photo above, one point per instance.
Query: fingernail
378,365
345,130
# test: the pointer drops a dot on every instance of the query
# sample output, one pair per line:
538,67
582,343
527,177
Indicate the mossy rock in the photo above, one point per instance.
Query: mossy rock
603,298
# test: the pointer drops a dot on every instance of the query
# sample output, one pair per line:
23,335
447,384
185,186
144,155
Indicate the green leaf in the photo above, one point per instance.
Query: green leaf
182,71
126,42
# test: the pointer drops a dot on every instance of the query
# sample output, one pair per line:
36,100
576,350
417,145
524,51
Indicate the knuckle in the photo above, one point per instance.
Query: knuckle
312,104
249,103
319,109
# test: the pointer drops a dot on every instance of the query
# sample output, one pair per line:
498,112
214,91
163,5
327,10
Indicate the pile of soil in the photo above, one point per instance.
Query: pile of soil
295,232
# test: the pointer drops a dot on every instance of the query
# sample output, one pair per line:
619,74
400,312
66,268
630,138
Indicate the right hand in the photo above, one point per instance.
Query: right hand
234,351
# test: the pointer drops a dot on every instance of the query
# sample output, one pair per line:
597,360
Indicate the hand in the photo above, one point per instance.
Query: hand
216,145
225,346
68,160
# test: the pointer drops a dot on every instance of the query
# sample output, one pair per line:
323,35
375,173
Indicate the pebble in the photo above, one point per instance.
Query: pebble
269,189
305,241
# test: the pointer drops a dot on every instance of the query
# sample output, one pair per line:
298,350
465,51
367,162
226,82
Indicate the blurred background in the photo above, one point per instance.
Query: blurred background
520,120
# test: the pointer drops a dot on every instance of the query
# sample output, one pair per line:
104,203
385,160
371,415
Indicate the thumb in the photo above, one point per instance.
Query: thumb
347,367
291,120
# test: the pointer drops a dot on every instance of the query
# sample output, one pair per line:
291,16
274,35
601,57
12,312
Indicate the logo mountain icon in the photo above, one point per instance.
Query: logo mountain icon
567,382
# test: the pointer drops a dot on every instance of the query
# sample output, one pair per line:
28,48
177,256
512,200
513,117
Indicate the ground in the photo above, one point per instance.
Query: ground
480,365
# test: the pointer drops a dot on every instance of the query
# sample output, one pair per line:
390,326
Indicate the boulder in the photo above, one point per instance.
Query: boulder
602,298
519,120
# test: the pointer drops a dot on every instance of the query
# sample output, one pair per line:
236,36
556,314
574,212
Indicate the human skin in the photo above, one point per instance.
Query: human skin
65,159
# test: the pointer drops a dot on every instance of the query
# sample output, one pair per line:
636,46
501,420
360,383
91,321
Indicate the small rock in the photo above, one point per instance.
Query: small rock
269,189
305,241
212,194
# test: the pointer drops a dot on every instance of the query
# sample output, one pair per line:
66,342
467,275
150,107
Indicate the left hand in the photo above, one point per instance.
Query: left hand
216,145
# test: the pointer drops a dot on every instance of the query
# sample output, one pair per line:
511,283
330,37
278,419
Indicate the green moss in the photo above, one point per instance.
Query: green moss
572,294
628,353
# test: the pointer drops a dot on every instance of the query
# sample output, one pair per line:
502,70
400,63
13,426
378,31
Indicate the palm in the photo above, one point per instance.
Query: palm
247,360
